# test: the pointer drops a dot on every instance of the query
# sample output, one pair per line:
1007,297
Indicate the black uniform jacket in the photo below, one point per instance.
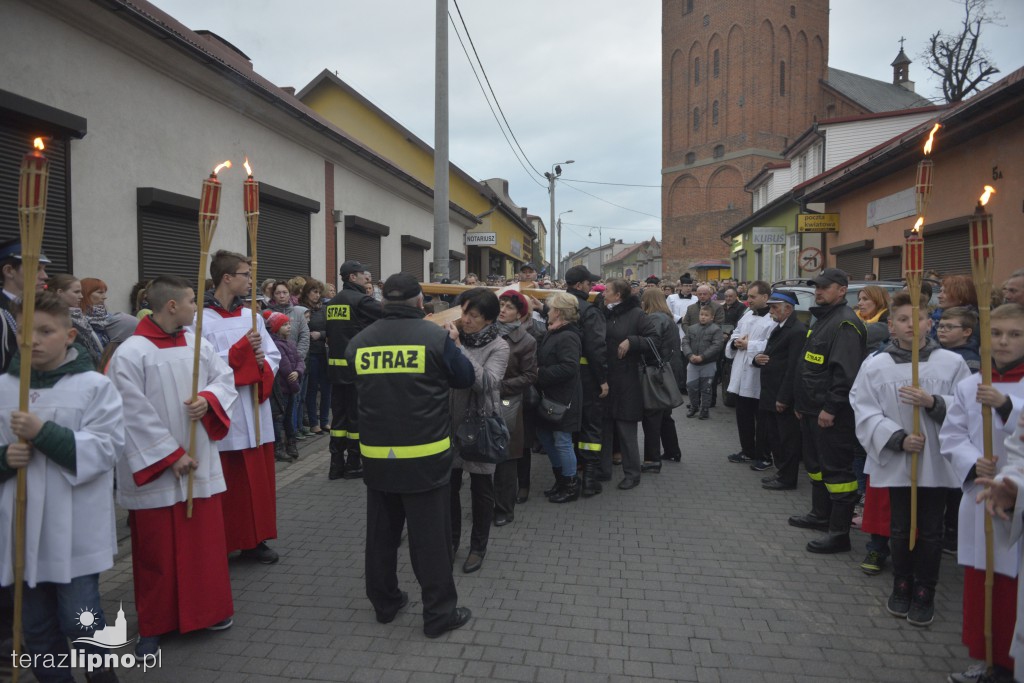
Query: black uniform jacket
785,344
350,312
593,326
831,358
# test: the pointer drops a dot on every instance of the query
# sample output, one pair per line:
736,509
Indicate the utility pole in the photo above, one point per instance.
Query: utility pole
440,270
560,239
556,170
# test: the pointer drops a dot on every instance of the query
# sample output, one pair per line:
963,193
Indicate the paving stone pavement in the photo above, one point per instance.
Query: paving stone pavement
692,576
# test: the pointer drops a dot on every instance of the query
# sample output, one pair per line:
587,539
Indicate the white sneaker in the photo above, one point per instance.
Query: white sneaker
970,676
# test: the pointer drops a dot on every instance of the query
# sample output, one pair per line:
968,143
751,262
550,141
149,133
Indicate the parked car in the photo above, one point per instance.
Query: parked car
804,292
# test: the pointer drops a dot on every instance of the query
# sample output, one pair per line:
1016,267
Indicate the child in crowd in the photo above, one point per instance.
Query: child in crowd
287,385
955,330
153,371
68,442
883,398
962,446
702,346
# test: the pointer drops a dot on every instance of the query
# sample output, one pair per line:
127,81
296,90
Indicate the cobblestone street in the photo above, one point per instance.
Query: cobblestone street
692,576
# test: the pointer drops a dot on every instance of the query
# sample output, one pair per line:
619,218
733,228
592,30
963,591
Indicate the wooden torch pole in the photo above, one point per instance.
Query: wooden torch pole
982,262
209,212
251,201
32,186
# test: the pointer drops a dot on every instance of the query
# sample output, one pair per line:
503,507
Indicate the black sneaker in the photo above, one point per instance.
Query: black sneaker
922,607
873,563
262,553
949,544
761,465
740,457
898,603
692,412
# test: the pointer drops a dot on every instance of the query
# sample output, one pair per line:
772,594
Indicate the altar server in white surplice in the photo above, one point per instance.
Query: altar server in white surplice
883,401
250,503
179,564
74,429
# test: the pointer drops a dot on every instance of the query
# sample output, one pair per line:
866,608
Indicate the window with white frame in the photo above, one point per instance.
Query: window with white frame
793,255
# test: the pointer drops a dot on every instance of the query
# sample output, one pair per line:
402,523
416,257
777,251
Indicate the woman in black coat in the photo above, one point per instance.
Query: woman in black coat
628,334
659,427
558,379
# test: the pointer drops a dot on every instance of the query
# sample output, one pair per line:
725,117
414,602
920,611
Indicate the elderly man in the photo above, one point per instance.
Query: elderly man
704,294
832,354
749,339
778,366
1013,288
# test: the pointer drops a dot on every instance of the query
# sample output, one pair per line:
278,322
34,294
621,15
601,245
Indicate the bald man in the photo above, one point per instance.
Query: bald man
704,293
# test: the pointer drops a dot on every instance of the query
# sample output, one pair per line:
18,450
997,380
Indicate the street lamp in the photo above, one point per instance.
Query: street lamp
556,170
562,213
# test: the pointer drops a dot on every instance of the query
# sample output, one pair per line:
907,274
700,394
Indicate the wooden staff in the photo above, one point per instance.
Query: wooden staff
209,212
913,270
251,201
982,263
32,187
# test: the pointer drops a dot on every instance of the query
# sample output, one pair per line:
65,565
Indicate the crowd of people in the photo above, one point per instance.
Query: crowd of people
413,406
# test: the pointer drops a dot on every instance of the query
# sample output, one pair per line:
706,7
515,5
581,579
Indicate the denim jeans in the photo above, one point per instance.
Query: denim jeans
295,412
50,615
558,446
316,372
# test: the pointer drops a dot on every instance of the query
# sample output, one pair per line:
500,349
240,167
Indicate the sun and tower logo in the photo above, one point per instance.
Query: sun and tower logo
109,637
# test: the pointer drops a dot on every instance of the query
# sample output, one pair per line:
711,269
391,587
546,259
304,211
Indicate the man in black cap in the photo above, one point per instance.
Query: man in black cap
594,376
831,357
13,289
405,367
528,275
778,363
348,313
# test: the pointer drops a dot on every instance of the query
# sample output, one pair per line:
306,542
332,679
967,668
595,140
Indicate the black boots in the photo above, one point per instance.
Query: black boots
291,448
591,486
694,409
557,471
838,538
821,509
337,465
569,492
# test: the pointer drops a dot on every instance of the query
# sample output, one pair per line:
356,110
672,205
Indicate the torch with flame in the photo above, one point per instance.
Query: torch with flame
982,263
33,183
913,271
923,187
209,214
251,208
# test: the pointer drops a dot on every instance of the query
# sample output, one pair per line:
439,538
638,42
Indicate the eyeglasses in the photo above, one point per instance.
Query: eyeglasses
946,327
247,274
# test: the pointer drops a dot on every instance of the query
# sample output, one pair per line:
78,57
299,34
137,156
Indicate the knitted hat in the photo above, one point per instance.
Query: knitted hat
275,321
521,304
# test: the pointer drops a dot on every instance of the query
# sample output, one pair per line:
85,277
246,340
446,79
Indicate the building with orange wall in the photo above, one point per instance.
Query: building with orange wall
980,143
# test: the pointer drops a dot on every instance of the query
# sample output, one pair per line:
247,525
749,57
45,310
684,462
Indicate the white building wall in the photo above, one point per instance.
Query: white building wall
846,140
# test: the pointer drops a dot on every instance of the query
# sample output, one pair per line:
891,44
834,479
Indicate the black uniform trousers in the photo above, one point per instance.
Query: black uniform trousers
829,453
588,439
746,425
428,515
345,423
782,436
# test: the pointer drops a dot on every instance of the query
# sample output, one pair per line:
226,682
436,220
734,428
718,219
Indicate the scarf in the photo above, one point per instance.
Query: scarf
481,338
505,329
875,319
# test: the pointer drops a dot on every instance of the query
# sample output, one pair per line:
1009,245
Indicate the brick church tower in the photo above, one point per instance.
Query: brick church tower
740,79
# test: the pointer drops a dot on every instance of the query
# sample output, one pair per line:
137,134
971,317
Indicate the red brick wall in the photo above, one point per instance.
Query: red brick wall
753,37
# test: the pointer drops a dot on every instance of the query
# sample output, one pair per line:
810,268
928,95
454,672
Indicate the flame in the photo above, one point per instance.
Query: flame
248,168
989,191
38,144
931,138
918,224
218,167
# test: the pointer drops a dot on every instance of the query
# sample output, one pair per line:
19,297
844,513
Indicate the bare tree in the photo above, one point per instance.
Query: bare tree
957,58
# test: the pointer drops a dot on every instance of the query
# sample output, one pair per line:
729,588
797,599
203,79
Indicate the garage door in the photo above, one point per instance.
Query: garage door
948,253
857,264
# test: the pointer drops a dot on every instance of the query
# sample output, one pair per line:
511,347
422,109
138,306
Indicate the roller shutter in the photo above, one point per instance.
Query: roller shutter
284,241
412,261
890,267
168,244
365,248
856,264
948,252
14,142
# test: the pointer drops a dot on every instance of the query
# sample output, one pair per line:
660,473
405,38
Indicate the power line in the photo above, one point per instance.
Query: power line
491,88
612,229
643,213
598,182
484,92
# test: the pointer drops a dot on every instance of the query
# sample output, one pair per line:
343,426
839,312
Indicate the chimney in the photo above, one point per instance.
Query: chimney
288,89
901,70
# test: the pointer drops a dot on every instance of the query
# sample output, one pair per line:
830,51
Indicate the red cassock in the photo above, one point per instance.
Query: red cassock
1004,616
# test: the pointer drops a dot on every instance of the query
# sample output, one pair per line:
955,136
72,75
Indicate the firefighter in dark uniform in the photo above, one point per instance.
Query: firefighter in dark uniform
594,376
404,367
350,312
831,358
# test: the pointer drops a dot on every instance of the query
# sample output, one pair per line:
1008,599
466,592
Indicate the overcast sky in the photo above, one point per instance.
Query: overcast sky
577,79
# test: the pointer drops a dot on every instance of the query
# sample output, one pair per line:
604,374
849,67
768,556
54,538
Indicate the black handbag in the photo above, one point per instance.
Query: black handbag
550,410
658,384
483,438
